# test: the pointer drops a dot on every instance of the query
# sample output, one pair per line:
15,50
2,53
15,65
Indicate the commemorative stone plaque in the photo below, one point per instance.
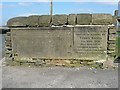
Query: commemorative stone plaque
90,42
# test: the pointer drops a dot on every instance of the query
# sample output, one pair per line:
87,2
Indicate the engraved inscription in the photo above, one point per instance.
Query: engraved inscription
90,40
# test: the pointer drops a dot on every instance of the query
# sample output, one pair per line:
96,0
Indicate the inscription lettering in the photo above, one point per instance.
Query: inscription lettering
90,40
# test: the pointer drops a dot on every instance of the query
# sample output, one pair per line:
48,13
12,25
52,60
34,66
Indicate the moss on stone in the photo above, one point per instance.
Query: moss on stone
33,20
102,19
58,20
44,20
72,19
84,19
17,21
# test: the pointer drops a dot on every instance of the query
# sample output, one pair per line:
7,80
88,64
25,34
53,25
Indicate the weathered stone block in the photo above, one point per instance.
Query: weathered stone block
112,30
102,19
33,20
84,19
111,51
114,20
59,20
111,46
72,19
90,42
112,37
47,42
44,20
7,38
111,42
17,21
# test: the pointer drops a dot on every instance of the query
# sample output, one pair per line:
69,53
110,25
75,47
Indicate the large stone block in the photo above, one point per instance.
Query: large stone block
90,42
45,42
72,19
84,19
44,20
102,19
33,20
17,21
59,20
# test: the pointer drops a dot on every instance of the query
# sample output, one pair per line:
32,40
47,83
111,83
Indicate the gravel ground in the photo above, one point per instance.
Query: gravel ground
58,77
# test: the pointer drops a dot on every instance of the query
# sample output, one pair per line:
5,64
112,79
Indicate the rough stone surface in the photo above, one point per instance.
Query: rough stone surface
114,20
43,43
111,46
44,20
84,19
111,42
85,42
112,30
59,20
102,19
111,51
72,19
33,20
112,37
90,42
17,21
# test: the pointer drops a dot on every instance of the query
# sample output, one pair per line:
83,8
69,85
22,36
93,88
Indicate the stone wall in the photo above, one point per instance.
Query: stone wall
60,20
79,43
111,40
74,37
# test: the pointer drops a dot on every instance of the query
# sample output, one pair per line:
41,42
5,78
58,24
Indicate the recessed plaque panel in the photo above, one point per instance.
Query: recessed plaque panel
52,43
90,42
